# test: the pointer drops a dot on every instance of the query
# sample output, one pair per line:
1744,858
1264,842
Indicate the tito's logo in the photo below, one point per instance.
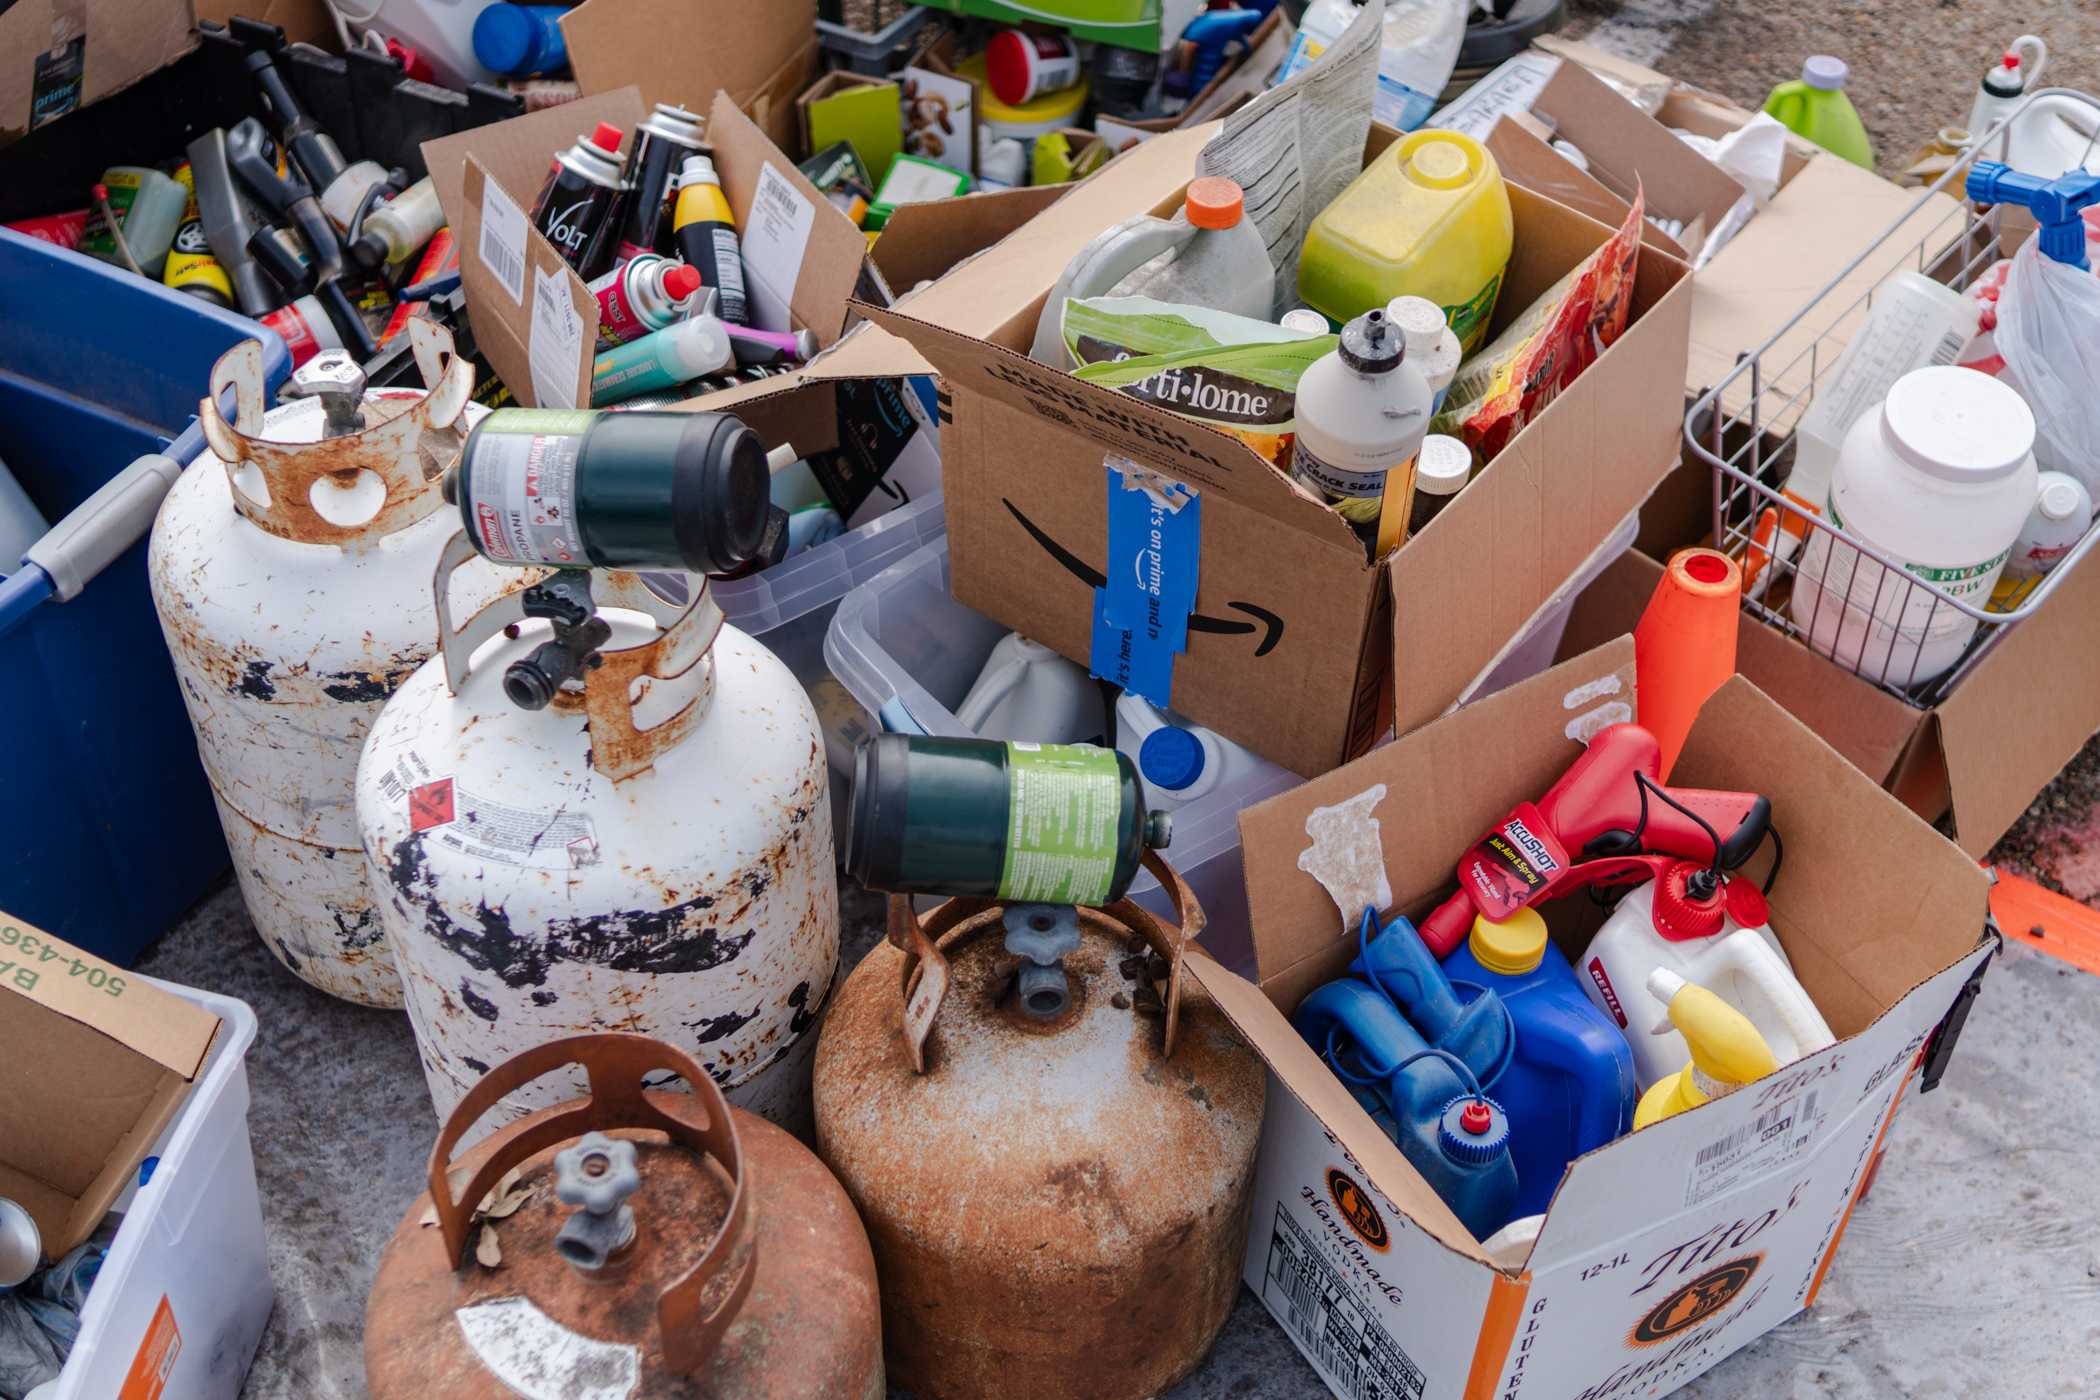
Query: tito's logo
1356,1208
1695,1302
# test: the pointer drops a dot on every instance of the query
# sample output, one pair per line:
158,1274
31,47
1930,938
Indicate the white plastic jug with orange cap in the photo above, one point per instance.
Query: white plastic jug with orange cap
1210,255
1711,930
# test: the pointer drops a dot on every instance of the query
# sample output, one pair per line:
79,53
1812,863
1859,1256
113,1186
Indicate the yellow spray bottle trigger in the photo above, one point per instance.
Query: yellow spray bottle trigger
1726,1049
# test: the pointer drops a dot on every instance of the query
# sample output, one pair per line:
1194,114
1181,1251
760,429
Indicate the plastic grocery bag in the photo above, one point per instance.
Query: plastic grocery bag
2049,335
1418,50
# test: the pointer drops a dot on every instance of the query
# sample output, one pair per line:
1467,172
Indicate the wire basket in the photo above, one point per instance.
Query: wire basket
1840,596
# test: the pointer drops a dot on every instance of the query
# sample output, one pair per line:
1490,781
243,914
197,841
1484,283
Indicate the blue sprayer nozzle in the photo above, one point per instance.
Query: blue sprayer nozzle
2056,204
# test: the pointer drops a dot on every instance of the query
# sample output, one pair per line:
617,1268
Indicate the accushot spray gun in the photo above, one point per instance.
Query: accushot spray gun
1608,821
572,492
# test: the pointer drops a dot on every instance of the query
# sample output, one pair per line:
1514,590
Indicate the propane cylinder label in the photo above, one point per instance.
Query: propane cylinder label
537,1357
1064,804
447,814
521,476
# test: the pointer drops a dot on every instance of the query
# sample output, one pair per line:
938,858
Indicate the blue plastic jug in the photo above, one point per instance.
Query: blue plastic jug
1422,1097
1569,1086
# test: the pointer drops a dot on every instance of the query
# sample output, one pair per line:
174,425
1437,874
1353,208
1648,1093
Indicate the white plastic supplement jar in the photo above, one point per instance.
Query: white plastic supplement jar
1940,477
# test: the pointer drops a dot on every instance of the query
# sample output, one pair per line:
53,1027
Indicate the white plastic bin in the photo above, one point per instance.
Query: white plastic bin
789,608
191,1239
908,651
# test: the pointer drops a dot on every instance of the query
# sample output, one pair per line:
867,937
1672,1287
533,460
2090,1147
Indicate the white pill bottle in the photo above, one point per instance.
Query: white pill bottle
1939,477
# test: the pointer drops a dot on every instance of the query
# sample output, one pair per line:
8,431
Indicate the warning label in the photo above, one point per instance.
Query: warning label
534,838
430,805
1350,1349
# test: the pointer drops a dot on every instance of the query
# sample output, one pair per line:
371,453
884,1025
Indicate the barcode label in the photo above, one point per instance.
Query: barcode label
1338,1334
1774,1138
503,239
1949,347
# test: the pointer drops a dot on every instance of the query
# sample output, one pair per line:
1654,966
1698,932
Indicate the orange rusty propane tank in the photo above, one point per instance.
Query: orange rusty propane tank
708,1253
1058,1206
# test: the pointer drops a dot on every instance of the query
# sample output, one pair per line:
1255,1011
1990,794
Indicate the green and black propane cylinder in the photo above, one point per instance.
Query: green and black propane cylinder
577,488
1024,823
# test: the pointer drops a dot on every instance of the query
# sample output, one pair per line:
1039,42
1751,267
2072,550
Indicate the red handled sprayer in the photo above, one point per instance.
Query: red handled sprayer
1608,821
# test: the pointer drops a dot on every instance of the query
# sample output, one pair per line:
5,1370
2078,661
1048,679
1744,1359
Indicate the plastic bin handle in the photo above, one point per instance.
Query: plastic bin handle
103,526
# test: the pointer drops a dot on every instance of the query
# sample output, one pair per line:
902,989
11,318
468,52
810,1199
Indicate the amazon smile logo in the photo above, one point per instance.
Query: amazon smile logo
1266,624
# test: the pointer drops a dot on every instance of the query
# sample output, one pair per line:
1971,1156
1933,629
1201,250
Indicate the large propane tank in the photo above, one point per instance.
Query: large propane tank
708,1253
1057,1182
291,569
649,850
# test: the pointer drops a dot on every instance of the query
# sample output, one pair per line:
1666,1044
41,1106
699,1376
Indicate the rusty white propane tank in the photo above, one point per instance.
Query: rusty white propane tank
597,809
633,1245
1056,1175
290,567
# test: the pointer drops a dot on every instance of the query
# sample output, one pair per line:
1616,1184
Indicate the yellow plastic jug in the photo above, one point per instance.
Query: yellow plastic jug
1429,217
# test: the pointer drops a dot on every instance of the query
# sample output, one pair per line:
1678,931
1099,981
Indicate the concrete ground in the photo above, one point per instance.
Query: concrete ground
1973,1268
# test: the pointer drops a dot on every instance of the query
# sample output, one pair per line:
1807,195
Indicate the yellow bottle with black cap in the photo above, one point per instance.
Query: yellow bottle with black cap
1727,1051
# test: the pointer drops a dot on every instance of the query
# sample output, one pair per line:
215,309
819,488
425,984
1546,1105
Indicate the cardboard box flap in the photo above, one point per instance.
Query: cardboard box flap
505,327
820,244
518,152
1526,158
683,51
1911,904
985,294
1825,218
1151,436
1628,148
923,241
1454,779
1295,1069
2011,724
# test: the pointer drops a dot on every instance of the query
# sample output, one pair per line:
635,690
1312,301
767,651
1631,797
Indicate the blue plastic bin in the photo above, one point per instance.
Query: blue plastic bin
108,831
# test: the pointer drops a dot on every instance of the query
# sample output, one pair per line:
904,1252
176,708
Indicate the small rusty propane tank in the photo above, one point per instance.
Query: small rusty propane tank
708,1254
1056,1173
291,571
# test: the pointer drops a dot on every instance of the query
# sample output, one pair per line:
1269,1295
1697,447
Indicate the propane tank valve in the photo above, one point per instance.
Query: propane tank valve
563,598
599,1174
338,381
1040,935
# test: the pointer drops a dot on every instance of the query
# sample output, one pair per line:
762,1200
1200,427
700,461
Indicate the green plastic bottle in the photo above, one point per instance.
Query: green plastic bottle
1816,107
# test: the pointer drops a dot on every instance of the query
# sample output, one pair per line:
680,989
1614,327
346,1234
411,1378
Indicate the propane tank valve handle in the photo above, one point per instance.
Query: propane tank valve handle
338,381
599,1174
563,598
1040,935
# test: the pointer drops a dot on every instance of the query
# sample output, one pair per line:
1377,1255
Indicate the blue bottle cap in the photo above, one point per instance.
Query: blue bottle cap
1171,758
504,38
1473,1130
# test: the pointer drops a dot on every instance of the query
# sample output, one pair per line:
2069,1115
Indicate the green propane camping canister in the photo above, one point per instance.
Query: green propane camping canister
614,490
1050,823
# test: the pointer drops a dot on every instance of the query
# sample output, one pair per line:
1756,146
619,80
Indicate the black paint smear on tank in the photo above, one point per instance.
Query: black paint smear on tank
255,682
478,1004
357,688
712,1028
646,940
804,1018
544,998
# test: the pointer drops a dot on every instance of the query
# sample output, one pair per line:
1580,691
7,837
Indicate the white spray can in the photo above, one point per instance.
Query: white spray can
1362,413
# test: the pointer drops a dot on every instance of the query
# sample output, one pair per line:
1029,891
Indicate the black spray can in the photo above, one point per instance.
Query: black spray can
580,199
578,488
661,144
1023,823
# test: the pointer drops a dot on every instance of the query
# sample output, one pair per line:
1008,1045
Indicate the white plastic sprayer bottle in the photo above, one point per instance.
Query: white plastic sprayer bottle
1940,479
1667,923
1363,411
1211,255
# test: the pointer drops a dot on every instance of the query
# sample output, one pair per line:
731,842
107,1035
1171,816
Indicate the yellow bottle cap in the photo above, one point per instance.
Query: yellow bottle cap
1441,163
1513,947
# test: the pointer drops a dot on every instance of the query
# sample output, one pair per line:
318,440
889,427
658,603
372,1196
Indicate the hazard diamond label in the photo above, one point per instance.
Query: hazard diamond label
430,805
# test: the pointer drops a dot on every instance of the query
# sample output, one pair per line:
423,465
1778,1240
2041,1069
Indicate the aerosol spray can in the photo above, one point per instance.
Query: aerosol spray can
306,327
574,204
679,353
643,294
706,229
666,138
1362,414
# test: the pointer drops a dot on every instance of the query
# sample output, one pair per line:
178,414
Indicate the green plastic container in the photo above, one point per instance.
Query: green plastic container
1816,107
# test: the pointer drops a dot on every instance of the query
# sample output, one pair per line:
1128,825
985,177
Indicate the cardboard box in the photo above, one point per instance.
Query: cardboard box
94,1064
1978,757
866,113
65,54
684,51
1298,647
533,316
1673,1247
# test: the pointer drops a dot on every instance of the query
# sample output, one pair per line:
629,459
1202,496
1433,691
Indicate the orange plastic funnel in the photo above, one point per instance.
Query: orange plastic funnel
1684,646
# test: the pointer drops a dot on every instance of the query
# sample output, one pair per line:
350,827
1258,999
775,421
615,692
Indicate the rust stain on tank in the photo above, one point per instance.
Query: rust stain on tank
1054,1215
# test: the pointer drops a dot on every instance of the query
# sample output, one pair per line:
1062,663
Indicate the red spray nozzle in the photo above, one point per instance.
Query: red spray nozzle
606,138
681,282
101,193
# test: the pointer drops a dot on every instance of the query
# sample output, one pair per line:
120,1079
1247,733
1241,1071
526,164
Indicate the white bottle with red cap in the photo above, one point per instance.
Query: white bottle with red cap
1713,930
1211,255
2008,80
641,295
